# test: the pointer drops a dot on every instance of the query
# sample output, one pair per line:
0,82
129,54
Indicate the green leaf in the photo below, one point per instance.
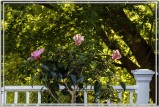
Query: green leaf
97,87
54,86
94,65
40,75
53,66
80,86
65,92
45,67
54,74
123,85
32,80
81,79
41,89
59,76
44,79
73,79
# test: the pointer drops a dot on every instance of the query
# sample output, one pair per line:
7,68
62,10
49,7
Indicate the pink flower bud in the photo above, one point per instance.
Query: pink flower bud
36,54
78,39
116,54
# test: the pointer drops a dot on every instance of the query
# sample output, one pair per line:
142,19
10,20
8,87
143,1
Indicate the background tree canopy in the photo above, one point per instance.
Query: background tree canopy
127,27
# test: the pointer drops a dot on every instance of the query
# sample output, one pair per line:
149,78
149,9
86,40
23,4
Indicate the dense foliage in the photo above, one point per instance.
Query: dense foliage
127,27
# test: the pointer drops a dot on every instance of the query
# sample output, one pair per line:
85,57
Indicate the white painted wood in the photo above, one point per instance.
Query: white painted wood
37,89
143,78
39,97
2,94
16,97
108,102
23,88
5,97
131,98
128,88
120,96
85,97
27,97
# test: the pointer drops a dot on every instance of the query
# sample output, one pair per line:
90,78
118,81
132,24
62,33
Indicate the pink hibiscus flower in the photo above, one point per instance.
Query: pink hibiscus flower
116,54
36,54
78,39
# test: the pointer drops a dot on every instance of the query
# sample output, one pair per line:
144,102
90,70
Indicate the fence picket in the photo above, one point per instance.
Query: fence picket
39,97
27,97
16,97
5,97
85,97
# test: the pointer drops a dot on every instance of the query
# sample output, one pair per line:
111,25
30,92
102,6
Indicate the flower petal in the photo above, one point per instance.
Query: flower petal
116,54
78,39
36,54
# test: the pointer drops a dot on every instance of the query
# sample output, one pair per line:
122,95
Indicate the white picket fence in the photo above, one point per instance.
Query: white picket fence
142,77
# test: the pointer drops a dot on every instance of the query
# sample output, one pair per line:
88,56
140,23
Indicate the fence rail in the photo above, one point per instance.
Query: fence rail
38,89
142,77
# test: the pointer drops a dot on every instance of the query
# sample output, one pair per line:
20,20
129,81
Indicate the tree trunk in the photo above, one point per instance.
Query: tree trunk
143,52
73,97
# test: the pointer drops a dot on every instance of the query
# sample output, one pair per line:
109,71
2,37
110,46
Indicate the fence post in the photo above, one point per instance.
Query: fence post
143,78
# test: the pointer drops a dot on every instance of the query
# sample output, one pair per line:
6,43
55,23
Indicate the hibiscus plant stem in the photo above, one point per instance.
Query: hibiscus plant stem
52,94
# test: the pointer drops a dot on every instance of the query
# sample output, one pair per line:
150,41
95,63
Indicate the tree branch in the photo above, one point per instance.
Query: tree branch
48,6
142,51
127,63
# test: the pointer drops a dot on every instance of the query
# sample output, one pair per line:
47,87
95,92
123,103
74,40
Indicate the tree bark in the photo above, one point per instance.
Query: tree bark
143,52
126,62
73,97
